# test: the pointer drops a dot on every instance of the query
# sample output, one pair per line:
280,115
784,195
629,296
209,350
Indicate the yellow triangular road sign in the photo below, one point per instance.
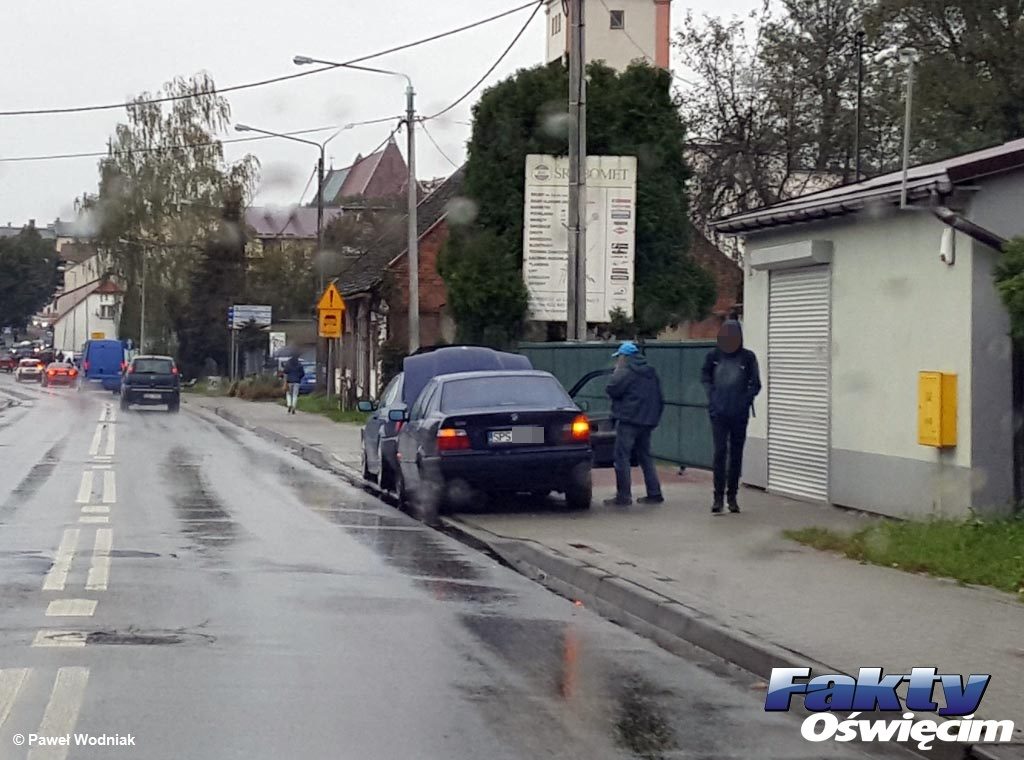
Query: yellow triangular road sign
331,299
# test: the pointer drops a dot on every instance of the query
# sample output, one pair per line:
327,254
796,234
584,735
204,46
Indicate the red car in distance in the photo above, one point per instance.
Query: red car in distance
60,373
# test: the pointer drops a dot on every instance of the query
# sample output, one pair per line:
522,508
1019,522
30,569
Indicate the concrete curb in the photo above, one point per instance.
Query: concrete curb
669,622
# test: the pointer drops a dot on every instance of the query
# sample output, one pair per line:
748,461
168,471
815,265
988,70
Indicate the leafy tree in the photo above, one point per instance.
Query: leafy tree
1009,277
970,83
216,282
161,188
28,276
631,113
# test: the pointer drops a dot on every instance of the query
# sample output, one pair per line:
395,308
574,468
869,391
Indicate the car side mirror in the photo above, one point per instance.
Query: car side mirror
398,414
583,404
366,406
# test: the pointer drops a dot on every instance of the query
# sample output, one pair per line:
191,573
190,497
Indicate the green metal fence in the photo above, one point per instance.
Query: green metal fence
684,435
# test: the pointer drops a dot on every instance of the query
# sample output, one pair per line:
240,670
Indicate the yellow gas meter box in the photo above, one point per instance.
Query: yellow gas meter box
936,409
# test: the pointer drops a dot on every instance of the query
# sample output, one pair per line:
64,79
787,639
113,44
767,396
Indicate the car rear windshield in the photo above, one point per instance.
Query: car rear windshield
153,366
505,390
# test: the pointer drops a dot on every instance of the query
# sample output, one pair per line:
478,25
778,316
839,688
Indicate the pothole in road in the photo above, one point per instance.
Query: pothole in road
148,639
132,554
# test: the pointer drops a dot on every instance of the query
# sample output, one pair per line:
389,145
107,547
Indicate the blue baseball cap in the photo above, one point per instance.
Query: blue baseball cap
627,349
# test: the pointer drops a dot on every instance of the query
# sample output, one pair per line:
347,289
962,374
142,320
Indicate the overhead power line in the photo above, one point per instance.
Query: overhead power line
274,80
497,63
186,146
438,147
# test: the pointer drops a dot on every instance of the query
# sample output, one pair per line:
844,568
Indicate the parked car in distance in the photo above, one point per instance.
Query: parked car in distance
308,384
60,373
380,434
8,361
494,432
151,380
103,362
28,371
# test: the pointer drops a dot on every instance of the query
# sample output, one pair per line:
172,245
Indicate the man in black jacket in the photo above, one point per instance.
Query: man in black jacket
635,392
732,380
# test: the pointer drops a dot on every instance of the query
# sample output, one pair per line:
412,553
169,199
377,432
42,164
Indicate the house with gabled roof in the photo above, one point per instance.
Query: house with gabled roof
383,174
376,291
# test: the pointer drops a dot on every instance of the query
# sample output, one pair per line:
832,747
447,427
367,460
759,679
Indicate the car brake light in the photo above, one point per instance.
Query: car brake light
451,439
124,366
174,370
73,373
580,429
398,426
85,365
51,372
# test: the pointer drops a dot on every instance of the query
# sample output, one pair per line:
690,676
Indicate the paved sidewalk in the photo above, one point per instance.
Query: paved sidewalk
731,583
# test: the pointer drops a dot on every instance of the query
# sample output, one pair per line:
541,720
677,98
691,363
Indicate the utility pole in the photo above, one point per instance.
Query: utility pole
319,264
413,245
860,101
576,265
142,308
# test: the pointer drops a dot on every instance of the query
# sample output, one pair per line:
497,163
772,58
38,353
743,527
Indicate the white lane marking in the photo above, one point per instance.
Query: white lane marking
61,711
55,638
94,447
95,509
111,438
58,575
71,608
85,489
111,413
101,466
94,519
99,572
109,487
11,681
104,413
102,459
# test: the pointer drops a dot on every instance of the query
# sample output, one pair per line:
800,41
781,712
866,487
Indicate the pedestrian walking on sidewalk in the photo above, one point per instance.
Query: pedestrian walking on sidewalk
732,381
637,404
293,374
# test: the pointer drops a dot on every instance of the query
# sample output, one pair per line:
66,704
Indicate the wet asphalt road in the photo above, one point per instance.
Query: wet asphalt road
246,605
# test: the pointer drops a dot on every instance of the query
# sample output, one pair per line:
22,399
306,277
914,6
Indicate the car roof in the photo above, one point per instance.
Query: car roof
420,369
486,374
154,356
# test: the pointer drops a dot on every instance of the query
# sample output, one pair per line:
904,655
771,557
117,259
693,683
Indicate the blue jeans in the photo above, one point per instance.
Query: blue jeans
627,439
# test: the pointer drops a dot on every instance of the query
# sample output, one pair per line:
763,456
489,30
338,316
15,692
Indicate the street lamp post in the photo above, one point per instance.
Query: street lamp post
413,199
909,57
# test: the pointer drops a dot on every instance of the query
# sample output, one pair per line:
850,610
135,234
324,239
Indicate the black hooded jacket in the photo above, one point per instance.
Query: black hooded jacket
732,381
635,392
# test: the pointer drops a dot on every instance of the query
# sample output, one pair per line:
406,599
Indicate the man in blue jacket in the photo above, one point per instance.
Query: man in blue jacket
293,374
637,404
732,381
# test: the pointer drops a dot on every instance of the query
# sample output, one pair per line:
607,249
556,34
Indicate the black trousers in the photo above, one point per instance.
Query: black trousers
729,434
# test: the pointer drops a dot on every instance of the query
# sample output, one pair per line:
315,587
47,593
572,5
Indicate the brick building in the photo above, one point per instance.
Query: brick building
376,292
729,283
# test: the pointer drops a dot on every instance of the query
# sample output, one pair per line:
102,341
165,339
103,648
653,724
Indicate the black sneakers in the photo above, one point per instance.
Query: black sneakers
716,508
734,507
617,502
651,500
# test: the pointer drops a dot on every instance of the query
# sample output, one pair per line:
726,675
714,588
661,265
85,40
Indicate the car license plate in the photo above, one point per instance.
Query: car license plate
522,434
154,396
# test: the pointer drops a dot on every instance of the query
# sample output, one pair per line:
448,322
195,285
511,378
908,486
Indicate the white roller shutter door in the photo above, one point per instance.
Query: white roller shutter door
799,347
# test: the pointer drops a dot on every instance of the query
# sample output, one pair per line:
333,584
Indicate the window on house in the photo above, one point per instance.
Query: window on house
556,24
106,311
618,19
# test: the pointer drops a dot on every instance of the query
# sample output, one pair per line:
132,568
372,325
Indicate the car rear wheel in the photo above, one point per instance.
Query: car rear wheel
174,406
384,477
367,475
579,492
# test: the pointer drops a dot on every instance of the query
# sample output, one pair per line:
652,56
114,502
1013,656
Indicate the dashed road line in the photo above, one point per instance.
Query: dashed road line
11,681
95,509
101,466
94,447
58,575
85,489
111,439
94,519
109,487
71,608
58,638
99,572
62,711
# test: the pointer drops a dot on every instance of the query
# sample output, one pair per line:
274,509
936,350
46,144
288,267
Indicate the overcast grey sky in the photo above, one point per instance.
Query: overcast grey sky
60,53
